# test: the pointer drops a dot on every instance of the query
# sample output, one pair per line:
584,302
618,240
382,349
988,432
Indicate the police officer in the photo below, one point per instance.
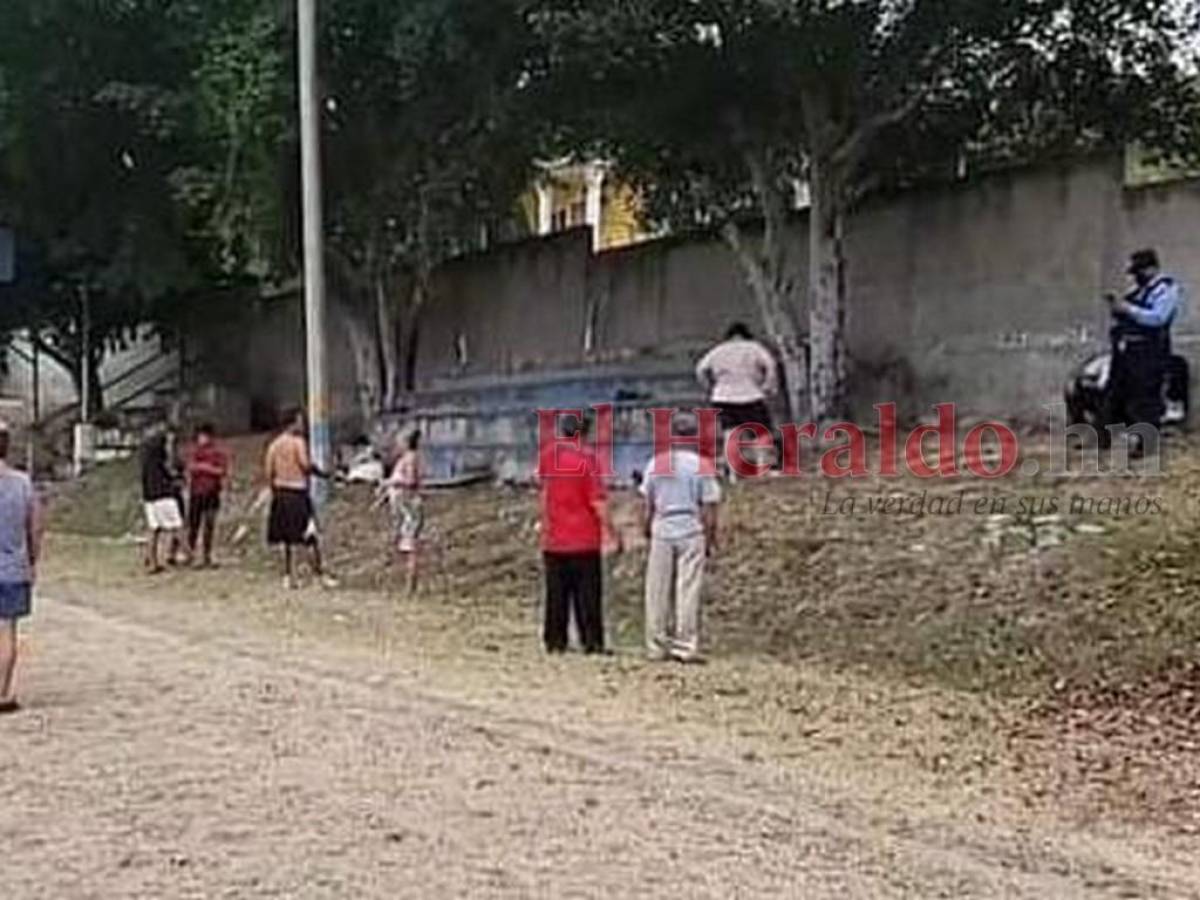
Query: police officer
1141,336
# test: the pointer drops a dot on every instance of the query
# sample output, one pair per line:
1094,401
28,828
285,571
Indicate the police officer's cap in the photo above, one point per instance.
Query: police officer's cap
1142,260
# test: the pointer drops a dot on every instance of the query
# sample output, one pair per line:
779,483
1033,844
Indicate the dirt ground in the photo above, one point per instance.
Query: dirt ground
999,700
209,735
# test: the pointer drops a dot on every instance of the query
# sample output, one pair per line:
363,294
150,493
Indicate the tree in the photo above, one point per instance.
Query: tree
721,108
243,188
96,115
427,151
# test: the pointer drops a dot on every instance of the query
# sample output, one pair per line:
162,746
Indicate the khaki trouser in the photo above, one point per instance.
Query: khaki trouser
674,581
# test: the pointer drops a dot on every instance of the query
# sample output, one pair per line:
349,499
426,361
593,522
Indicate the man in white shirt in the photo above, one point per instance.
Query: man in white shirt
740,374
681,523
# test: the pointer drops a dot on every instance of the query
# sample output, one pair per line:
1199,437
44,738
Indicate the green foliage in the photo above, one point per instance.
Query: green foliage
148,152
100,119
245,186
721,108
427,149
426,139
888,91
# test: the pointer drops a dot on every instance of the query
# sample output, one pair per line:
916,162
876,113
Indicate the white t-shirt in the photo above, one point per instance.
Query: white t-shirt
739,371
678,498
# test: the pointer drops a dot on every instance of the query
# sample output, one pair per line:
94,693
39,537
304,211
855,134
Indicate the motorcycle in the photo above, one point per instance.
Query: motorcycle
1088,391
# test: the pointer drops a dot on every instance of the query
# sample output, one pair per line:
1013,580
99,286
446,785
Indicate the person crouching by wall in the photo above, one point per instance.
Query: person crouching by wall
576,532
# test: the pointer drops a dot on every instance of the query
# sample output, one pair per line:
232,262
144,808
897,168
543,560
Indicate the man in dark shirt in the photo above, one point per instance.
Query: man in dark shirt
163,517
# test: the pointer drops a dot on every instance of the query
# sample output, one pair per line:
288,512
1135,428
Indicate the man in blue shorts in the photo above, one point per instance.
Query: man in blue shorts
20,543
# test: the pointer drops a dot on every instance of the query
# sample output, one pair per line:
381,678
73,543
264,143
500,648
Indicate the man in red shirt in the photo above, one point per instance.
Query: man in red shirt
207,469
576,530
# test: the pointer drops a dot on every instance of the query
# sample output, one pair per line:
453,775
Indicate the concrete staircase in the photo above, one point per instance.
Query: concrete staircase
145,392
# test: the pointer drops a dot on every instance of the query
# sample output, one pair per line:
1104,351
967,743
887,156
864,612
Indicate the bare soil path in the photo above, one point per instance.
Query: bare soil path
185,750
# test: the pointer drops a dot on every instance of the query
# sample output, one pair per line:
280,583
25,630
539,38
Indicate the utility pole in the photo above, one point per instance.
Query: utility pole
85,356
35,412
37,377
84,436
314,245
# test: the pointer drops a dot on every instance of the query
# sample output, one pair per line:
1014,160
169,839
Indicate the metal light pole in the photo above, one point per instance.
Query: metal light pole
314,247
35,401
84,435
85,356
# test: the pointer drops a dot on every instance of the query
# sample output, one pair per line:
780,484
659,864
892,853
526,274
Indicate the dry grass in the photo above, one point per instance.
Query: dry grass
965,599
1084,626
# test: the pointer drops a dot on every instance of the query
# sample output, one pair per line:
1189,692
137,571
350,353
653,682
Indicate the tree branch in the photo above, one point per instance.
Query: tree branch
64,358
847,154
350,270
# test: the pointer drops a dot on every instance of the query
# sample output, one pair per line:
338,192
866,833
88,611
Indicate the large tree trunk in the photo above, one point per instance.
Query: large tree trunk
422,294
386,330
95,387
364,347
769,272
827,296
362,285
772,291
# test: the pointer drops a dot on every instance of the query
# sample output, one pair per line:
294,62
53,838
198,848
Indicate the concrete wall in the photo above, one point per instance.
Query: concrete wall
260,359
521,306
985,294
1166,217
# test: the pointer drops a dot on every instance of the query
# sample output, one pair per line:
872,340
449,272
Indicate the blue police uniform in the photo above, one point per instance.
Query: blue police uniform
1141,338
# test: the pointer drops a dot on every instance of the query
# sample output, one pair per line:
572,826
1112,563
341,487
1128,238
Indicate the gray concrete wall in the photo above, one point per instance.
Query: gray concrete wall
668,296
519,307
260,360
985,294
1167,217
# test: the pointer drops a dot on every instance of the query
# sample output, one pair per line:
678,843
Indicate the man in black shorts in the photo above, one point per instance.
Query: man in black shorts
292,522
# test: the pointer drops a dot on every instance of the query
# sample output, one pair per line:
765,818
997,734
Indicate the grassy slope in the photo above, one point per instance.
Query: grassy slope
1086,651
960,600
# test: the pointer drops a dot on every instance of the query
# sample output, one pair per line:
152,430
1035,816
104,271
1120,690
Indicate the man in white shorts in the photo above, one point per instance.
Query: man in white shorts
163,516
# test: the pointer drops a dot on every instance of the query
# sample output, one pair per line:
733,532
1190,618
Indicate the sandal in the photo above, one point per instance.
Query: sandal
9,707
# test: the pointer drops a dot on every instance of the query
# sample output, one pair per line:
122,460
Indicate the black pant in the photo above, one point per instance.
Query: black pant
574,583
1178,377
1138,375
735,415
202,519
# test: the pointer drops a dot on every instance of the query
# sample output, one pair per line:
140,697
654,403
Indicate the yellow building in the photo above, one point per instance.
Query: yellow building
1144,167
570,194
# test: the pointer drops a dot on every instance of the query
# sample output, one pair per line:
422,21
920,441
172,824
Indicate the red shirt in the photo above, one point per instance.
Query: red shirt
570,523
205,483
